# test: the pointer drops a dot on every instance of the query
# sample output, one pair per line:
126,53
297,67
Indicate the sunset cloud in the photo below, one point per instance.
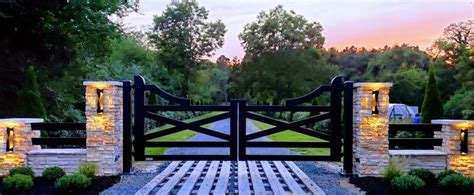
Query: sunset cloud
361,23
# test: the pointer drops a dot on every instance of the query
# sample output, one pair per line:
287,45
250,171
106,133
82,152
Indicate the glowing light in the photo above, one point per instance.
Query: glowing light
100,101
10,139
375,97
464,136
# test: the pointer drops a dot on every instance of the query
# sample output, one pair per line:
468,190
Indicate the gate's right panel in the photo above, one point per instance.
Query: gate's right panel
307,128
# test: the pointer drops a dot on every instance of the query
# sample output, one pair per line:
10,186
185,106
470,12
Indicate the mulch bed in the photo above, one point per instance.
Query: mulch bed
375,185
42,186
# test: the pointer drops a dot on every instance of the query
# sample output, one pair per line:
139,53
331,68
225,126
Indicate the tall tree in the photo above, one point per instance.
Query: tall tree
280,29
31,101
432,107
183,36
456,38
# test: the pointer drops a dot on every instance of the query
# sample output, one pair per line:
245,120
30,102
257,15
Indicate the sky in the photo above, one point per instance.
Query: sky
362,23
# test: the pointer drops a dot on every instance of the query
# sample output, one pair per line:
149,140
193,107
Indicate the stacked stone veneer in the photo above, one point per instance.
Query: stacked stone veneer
450,133
104,130
370,132
22,142
68,159
433,160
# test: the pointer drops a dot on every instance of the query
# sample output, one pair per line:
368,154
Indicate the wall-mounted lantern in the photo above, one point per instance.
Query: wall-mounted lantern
464,141
375,98
10,139
100,101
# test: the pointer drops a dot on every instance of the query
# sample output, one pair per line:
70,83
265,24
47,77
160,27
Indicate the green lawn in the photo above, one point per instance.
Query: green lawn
294,136
180,136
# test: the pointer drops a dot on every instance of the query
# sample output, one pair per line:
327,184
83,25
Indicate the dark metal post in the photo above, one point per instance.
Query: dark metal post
336,144
234,106
242,129
348,142
138,127
127,127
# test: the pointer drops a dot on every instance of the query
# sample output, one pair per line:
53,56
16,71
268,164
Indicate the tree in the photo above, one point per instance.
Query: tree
456,37
183,36
408,86
59,38
432,107
390,59
280,29
29,98
283,74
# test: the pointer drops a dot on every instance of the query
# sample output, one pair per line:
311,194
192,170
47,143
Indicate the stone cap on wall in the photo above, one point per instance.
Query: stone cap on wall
452,121
372,84
416,153
21,120
103,83
59,151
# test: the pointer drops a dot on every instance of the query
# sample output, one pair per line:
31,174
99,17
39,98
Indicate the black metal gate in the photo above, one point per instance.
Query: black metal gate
237,141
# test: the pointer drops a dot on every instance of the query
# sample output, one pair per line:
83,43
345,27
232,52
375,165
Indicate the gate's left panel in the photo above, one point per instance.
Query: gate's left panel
167,127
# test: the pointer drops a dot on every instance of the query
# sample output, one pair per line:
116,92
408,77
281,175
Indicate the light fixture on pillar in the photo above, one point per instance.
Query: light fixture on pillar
464,141
10,139
100,101
375,97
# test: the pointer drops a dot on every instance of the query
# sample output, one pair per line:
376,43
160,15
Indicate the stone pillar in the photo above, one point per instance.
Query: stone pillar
450,133
370,128
21,144
105,127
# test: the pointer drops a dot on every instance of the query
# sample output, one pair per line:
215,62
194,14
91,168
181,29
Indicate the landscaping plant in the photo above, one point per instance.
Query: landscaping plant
88,169
53,173
408,184
22,170
457,184
424,174
73,183
394,168
443,174
432,107
18,183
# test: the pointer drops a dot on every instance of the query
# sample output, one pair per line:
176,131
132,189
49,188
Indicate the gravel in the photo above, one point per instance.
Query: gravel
329,180
131,183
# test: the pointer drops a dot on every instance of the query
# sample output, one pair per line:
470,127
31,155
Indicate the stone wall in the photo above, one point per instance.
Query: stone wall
433,160
68,159
450,133
104,129
21,145
370,131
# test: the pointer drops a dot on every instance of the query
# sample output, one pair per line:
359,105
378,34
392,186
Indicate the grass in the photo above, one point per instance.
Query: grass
288,135
179,136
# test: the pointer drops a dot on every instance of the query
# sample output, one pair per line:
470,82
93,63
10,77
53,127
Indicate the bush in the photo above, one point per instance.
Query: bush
445,173
88,170
408,184
18,183
22,170
432,107
73,183
391,172
424,174
457,184
53,173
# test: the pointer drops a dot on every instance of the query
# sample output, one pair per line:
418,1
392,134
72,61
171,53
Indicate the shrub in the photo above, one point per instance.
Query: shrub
408,184
457,184
424,174
22,170
88,169
445,173
18,183
432,107
395,166
53,173
73,183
